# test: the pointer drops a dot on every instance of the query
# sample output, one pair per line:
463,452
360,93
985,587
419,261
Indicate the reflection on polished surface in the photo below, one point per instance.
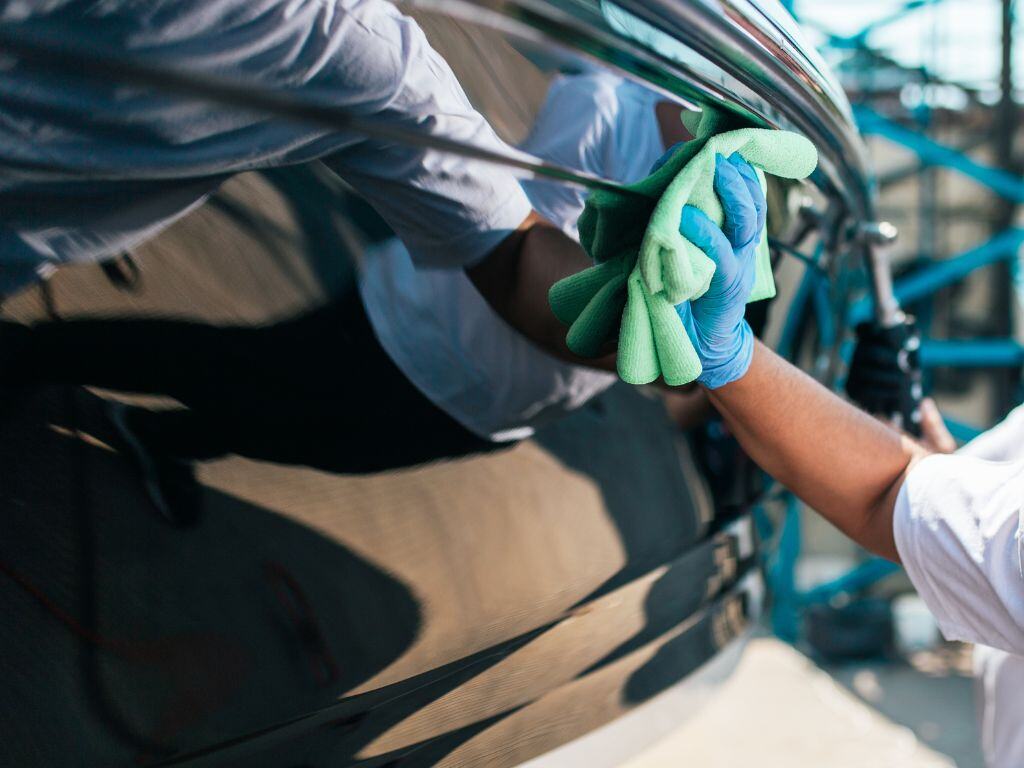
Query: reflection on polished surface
746,58
421,616
740,56
554,42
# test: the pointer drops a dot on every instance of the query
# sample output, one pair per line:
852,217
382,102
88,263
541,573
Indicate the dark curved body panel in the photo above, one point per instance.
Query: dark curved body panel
467,612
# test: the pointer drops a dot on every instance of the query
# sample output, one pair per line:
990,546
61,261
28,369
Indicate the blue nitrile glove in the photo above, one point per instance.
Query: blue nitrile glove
714,322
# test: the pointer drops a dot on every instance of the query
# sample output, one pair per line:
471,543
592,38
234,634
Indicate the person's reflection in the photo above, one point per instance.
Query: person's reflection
448,340
426,371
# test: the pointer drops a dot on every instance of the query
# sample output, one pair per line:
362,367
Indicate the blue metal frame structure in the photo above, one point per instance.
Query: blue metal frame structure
916,287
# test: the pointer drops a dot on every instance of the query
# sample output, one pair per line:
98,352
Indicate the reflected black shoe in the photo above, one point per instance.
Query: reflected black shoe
169,482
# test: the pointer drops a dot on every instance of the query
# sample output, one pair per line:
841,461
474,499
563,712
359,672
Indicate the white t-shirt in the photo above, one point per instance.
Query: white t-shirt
1000,675
440,331
958,527
89,168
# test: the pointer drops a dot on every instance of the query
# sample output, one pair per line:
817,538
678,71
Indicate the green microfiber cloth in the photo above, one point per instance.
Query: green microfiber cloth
645,266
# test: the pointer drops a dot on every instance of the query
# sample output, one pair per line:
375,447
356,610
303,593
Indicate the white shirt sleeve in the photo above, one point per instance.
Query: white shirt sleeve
957,526
595,122
88,167
571,130
447,210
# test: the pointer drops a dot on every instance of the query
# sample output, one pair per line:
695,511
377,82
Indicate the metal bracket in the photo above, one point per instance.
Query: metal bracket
877,237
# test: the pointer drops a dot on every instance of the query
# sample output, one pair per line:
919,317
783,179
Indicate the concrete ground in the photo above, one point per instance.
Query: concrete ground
796,714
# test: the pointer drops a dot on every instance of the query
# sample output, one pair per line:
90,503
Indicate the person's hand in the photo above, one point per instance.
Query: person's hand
934,435
714,322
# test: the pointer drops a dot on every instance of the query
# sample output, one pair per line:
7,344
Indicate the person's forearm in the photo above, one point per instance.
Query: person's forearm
842,462
515,280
